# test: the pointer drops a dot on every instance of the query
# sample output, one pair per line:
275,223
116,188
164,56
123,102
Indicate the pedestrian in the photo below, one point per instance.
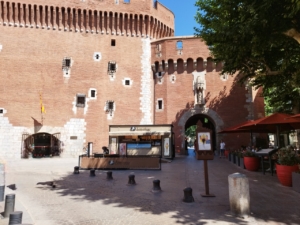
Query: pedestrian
222,149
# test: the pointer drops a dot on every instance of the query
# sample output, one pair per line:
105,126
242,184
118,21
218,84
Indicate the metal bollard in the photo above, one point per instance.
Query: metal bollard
15,218
76,169
188,195
92,173
131,180
9,204
156,186
2,190
109,175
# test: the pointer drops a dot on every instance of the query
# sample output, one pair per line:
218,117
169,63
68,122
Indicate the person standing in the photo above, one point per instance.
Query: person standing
222,149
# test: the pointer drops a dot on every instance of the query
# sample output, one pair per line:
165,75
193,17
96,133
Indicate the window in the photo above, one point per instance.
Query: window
126,1
66,64
158,47
112,67
110,106
93,93
113,42
159,102
179,45
97,56
127,82
1,111
80,100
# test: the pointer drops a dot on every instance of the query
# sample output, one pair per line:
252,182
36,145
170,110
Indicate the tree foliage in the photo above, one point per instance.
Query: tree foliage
256,38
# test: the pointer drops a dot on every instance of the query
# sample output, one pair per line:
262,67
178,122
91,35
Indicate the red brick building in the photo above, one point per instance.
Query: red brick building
69,69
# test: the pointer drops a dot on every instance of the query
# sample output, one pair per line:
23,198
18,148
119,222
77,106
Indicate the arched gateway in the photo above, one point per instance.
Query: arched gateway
209,118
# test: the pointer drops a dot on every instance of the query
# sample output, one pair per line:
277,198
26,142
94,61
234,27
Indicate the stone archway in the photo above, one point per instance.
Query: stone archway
201,111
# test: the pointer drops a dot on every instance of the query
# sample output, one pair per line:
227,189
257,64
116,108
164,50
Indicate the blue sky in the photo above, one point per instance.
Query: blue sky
184,11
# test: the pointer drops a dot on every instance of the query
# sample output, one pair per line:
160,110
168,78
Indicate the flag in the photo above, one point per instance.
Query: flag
42,106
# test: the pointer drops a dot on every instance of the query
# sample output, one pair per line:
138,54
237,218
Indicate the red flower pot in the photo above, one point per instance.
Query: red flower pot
226,153
251,163
284,174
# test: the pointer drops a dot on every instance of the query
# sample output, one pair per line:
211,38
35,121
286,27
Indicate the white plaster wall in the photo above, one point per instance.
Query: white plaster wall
11,137
146,98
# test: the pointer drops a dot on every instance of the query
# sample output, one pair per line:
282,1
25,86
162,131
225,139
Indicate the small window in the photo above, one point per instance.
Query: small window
109,106
112,67
1,111
159,74
93,93
158,47
159,104
80,101
127,82
113,42
97,56
179,45
66,63
126,1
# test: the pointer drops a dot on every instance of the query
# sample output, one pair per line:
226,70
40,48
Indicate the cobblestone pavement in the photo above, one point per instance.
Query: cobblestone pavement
84,200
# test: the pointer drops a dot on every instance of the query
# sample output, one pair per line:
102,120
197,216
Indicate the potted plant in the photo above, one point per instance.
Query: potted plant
251,161
286,163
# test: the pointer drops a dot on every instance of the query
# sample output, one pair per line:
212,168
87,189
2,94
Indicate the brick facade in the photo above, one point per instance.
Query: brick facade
36,38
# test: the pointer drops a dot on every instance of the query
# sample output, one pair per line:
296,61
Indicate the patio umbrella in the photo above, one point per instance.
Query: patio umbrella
274,123
239,129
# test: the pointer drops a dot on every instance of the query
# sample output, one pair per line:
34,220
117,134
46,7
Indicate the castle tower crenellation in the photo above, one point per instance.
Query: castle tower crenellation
100,17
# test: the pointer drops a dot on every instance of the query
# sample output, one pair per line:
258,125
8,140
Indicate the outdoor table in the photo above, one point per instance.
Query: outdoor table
263,153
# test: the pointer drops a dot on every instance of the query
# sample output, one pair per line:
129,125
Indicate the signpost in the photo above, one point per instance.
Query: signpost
204,152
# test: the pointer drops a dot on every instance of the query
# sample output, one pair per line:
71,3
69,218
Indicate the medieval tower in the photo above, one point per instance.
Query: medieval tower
72,68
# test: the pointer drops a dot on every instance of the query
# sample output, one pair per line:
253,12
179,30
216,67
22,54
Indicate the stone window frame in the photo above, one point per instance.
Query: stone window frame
90,93
80,103
110,106
112,67
66,63
179,45
158,101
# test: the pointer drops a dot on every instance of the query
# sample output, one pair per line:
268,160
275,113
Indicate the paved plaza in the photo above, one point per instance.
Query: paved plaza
84,200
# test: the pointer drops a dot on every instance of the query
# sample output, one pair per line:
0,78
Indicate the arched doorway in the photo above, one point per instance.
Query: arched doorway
191,117
207,122
42,145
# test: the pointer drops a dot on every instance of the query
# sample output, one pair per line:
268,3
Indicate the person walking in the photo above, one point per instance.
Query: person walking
222,149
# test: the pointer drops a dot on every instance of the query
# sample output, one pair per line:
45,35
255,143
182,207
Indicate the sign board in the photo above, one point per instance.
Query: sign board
203,145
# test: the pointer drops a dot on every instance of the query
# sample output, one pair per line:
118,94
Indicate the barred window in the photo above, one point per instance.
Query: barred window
109,105
112,67
66,63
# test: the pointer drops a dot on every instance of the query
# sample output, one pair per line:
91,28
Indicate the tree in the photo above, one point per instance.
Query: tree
257,39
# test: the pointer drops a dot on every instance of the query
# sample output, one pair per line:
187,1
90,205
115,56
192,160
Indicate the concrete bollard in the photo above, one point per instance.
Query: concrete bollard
239,197
156,186
131,180
188,195
9,205
15,218
92,173
76,169
109,175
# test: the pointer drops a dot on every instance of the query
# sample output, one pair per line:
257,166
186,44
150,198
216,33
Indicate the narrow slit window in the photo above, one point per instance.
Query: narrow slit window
160,104
179,45
113,42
